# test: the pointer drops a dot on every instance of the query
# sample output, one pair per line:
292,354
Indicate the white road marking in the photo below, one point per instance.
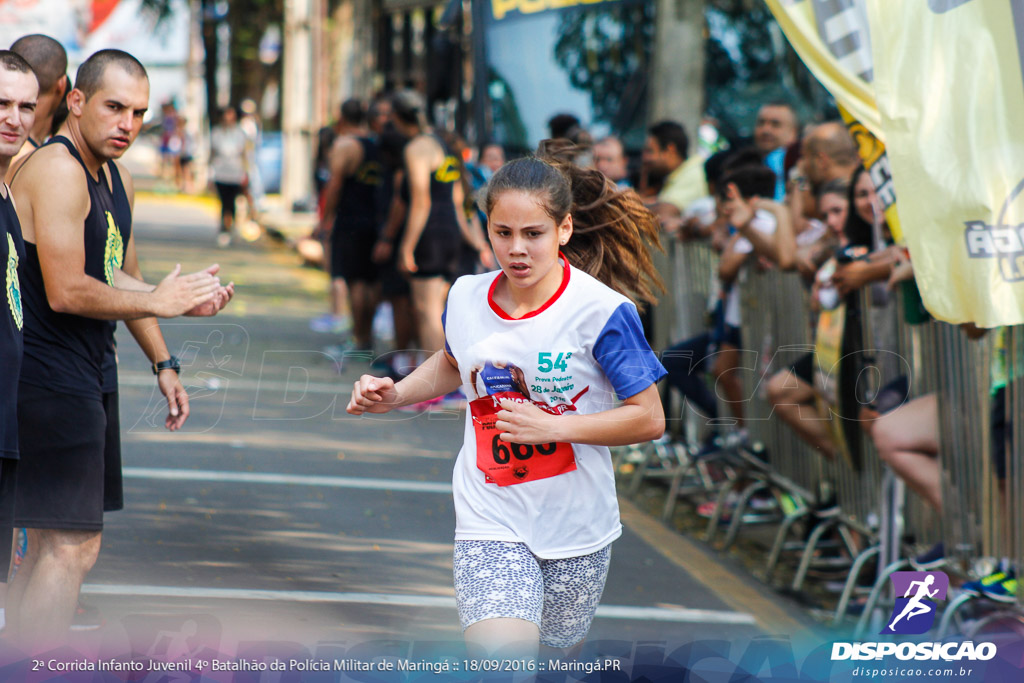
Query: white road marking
291,479
680,615
342,389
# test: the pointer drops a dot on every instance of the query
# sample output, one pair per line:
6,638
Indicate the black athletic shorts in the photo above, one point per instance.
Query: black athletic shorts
437,252
228,193
113,487
1001,432
8,481
352,253
69,471
804,368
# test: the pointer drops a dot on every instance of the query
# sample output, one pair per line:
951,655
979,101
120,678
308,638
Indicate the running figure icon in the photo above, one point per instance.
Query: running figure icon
914,606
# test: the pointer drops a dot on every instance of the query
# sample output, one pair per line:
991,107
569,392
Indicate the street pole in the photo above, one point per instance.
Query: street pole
299,100
677,93
195,106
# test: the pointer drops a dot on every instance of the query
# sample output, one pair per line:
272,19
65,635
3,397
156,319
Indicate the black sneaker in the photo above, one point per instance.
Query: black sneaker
931,559
87,618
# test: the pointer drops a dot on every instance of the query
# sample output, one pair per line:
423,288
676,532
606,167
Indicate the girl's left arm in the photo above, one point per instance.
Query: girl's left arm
639,418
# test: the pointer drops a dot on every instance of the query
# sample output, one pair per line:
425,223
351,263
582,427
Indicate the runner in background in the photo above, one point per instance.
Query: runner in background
19,89
49,61
351,204
429,250
395,288
552,350
228,164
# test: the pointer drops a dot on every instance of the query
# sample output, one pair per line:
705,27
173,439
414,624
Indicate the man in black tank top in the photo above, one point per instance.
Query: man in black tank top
351,213
18,90
80,273
49,61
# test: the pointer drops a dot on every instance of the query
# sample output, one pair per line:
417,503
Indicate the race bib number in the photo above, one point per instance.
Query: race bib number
505,463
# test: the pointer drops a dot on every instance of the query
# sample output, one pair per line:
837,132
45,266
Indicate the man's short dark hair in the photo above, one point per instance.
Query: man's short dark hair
90,74
783,103
353,111
12,61
747,156
45,55
671,133
564,126
751,181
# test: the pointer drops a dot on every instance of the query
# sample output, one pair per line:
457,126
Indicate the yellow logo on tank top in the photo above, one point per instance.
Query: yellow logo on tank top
369,173
448,171
13,284
113,253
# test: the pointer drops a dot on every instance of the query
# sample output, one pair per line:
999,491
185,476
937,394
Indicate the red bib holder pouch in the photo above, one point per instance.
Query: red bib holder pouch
505,463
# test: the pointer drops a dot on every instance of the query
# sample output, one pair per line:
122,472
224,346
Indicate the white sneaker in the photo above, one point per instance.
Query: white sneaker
224,239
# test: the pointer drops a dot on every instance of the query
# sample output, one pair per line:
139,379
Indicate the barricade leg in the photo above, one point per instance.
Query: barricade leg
739,511
951,611
808,555
851,582
780,538
876,593
716,515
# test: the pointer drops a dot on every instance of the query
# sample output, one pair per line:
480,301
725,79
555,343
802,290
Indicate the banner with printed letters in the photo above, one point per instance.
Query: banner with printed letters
832,39
948,81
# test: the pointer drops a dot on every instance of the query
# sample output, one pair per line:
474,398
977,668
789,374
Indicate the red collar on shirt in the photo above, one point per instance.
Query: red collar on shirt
547,304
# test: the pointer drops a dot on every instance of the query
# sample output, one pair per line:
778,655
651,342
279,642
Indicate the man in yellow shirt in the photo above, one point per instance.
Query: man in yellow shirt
665,159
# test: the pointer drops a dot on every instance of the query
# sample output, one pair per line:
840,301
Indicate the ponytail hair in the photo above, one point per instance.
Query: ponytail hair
612,229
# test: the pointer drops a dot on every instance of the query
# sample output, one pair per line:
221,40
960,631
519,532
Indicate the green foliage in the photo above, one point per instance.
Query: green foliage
603,50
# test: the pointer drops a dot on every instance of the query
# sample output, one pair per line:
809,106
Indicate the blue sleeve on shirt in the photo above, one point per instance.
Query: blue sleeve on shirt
624,355
776,160
444,328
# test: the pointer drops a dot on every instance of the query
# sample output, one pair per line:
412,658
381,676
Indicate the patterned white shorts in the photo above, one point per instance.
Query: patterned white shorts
498,579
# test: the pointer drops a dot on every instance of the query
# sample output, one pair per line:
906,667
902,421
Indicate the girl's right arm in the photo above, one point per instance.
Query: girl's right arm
437,376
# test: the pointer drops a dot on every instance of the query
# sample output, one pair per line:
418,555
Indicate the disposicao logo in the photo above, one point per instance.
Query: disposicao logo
916,596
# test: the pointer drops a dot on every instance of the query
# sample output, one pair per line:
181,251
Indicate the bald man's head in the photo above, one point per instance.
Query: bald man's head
46,57
829,152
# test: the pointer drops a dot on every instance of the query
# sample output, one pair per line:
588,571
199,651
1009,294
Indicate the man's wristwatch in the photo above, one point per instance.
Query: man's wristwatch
171,363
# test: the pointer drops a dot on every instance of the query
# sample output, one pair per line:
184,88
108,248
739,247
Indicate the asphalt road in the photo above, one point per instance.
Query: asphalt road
274,517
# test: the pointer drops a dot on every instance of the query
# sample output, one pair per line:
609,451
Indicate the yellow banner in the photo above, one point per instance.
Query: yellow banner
948,81
835,45
833,40
828,344
876,163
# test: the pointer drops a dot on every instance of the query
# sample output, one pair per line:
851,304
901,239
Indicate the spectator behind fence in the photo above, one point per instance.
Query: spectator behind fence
610,158
828,152
762,226
792,391
680,177
777,127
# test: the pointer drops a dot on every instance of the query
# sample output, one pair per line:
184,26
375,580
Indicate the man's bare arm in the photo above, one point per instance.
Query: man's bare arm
56,225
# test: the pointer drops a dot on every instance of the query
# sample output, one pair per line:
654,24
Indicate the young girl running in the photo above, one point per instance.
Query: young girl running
554,354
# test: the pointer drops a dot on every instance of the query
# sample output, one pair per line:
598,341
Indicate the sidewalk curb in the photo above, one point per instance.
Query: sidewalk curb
735,590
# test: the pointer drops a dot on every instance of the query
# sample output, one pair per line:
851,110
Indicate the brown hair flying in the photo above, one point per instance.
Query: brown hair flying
612,229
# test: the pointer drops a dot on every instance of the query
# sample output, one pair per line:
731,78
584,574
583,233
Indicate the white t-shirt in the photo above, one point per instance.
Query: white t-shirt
227,155
583,351
763,221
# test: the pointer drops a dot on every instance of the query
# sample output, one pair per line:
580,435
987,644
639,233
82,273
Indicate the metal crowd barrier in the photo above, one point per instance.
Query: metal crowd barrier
875,516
